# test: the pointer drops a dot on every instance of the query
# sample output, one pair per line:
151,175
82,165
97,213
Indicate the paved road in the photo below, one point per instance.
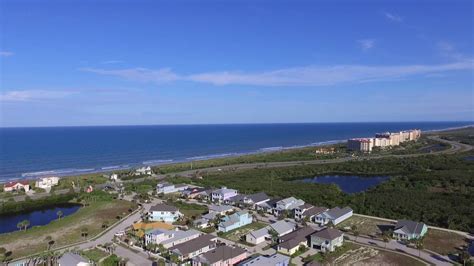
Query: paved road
455,148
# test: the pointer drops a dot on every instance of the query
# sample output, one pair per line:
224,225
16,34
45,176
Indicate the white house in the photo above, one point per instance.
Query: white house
257,236
164,213
223,194
335,216
17,186
287,204
327,240
170,238
143,171
47,182
72,259
114,177
407,230
167,188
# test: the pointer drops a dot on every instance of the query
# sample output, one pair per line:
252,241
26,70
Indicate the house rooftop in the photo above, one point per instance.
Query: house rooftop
282,226
337,212
220,208
194,244
221,253
314,211
12,183
410,227
258,197
71,259
328,233
259,233
272,260
294,238
163,208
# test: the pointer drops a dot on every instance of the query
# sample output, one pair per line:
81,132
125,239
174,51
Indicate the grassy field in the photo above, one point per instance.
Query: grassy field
190,209
301,154
67,230
443,242
236,234
94,254
365,226
463,135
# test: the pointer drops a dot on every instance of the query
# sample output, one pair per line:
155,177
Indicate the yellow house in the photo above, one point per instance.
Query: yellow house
141,228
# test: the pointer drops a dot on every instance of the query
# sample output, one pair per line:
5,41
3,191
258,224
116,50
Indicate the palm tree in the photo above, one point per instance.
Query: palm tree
419,245
19,225
26,223
49,241
59,214
84,232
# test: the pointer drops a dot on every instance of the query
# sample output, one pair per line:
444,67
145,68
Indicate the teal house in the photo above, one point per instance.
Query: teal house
234,221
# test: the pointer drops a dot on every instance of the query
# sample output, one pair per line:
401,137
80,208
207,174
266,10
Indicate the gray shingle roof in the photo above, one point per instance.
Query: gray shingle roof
221,253
71,259
259,233
282,226
194,244
410,227
314,211
294,238
337,212
328,233
258,197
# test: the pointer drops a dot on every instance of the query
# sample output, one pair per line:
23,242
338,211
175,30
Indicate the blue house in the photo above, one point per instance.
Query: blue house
164,213
234,221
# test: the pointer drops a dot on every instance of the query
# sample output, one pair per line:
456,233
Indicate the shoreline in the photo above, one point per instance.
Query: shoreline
109,169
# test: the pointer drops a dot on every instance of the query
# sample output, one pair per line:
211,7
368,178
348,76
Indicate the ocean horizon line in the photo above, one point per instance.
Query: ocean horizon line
250,123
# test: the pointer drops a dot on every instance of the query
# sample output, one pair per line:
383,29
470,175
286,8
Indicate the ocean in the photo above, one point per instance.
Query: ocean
33,152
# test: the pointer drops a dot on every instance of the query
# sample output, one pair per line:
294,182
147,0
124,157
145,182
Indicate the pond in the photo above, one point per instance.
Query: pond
38,217
348,184
469,158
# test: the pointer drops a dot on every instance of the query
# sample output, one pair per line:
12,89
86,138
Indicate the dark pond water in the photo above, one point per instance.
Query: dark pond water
348,184
469,158
39,217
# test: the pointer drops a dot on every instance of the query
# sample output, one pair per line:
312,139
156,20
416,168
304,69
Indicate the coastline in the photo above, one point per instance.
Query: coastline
109,169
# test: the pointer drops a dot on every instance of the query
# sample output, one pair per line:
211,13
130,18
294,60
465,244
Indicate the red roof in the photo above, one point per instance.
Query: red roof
13,183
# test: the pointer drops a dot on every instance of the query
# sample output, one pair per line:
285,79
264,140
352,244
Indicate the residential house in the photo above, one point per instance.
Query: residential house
194,192
220,209
291,242
194,247
267,206
408,230
335,216
271,260
170,238
114,177
249,201
73,259
288,204
205,220
140,229
308,211
282,227
221,256
146,170
17,186
223,194
257,236
234,221
327,240
47,182
167,188
164,213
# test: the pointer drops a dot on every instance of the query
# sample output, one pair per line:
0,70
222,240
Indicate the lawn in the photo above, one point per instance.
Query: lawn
236,234
68,229
190,209
365,226
94,254
443,242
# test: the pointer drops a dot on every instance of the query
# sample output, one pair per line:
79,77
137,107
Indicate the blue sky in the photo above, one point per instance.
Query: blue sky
197,62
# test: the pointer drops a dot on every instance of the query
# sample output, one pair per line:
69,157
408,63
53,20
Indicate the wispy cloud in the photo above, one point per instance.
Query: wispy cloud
366,44
393,17
33,95
139,74
6,53
448,50
298,76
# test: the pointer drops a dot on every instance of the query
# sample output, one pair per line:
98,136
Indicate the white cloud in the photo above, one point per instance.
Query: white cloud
393,17
33,95
6,53
366,44
298,76
139,74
